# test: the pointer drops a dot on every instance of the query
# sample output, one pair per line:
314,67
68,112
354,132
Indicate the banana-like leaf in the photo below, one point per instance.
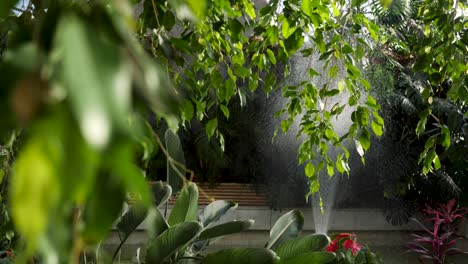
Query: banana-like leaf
175,174
129,222
225,229
161,193
321,257
295,247
156,223
242,255
170,241
186,206
286,228
215,210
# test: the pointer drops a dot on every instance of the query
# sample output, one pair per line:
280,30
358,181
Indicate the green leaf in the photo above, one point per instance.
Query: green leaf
171,241
287,227
421,127
156,223
129,222
215,210
187,110
102,208
198,7
97,80
378,129
225,229
249,9
364,139
310,170
242,255
430,158
225,111
175,174
359,148
186,206
312,257
445,137
330,170
295,247
314,186
35,188
271,56
161,193
119,160
211,127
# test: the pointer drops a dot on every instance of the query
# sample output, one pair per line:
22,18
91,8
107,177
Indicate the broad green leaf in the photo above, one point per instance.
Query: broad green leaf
175,174
156,223
171,241
129,222
287,227
161,193
322,257
225,229
186,206
300,245
211,127
35,187
242,255
96,78
215,210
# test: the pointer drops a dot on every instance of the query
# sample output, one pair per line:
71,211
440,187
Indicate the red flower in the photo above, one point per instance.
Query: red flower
354,246
332,247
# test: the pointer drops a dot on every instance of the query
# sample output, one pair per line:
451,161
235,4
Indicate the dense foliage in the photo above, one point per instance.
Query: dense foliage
81,78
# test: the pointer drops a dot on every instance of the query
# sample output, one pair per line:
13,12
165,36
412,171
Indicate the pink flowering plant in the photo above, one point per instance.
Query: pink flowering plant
437,243
349,251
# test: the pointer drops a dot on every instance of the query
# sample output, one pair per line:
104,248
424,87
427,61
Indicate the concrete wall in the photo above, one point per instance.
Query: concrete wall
369,224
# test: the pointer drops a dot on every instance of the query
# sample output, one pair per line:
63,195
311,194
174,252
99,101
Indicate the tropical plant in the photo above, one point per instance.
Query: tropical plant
438,243
184,234
284,246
